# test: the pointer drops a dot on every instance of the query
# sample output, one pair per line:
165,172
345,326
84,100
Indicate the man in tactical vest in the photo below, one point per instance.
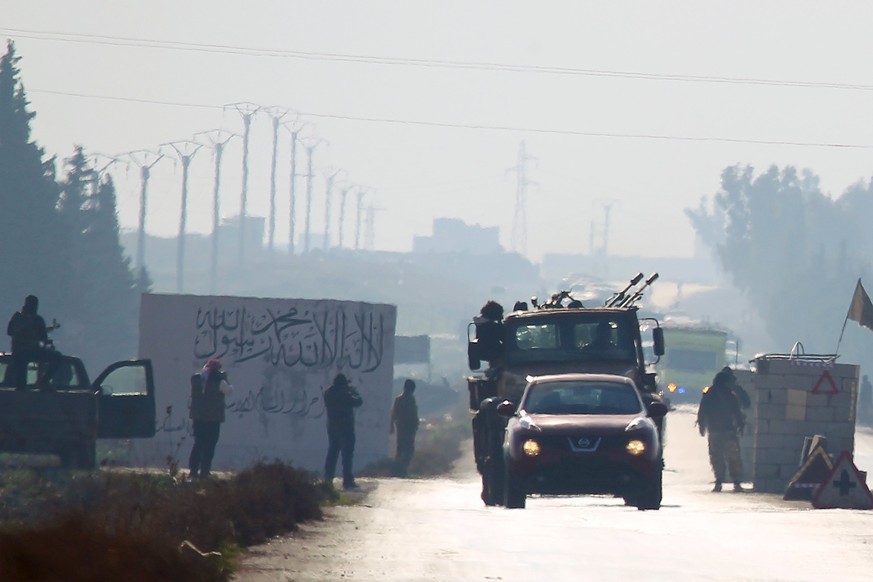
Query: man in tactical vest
208,390
719,414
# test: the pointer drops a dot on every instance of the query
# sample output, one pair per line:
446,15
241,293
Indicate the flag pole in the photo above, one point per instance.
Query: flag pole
839,341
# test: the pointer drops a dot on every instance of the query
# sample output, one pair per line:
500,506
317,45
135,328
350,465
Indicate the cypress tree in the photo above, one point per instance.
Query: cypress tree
29,262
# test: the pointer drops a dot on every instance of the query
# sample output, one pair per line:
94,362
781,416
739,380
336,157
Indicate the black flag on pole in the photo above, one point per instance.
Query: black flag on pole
861,309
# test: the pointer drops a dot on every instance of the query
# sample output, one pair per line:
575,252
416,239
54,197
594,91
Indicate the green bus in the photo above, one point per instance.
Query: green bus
693,356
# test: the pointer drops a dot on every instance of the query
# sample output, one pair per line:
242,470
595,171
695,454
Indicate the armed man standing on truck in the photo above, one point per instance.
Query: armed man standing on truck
29,334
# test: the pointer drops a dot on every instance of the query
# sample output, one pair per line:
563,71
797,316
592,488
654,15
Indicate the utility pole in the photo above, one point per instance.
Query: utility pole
295,130
145,160
330,176
247,110
518,238
310,146
185,151
344,193
370,235
358,216
217,139
276,115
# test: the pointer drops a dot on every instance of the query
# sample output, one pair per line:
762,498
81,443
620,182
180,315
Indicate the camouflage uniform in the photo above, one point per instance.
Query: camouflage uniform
719,414
724,449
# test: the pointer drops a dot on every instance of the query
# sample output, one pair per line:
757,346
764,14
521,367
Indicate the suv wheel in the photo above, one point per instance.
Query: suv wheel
649,496
514,495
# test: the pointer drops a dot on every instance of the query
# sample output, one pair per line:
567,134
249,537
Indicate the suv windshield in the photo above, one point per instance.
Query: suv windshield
575,397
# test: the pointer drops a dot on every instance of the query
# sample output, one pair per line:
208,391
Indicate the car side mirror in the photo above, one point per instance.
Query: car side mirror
506,409
657,409
658,339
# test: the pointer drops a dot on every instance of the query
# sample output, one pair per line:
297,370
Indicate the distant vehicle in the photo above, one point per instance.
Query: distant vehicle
66,413
582,434
693,356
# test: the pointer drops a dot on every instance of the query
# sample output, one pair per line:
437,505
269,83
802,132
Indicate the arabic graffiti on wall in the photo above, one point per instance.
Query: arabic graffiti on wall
307,337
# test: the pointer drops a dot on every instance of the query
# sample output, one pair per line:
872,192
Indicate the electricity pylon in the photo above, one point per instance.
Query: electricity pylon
276,114
185,151
295,128
216,138
247,110
330,176
145,160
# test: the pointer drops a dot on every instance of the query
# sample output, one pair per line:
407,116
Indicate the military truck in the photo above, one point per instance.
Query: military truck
60,411
558,336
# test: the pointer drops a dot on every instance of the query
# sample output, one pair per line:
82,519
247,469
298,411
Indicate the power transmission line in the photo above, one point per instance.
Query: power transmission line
434,63
483,127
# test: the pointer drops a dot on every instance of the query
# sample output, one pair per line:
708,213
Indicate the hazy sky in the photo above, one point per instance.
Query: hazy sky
635,106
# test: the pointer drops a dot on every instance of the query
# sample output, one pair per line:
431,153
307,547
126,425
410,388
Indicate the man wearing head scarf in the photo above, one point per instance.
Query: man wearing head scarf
208,390
719,414
340,401
404,420
29,336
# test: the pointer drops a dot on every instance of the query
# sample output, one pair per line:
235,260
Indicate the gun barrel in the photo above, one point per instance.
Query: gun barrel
620,296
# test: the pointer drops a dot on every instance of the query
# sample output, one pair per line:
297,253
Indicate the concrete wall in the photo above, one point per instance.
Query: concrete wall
280,354
793,398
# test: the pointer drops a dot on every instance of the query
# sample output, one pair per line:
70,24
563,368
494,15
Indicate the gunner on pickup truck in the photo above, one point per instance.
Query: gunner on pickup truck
29,334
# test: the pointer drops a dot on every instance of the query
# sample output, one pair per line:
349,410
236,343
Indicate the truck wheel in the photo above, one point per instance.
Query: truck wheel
87,456
514,495
79,456
492,483
649,496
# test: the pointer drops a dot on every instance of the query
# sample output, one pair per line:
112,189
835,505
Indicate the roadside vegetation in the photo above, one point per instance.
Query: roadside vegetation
437,446
123,525
120,524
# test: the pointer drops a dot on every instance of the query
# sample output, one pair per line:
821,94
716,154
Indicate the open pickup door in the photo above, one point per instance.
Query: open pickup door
126,400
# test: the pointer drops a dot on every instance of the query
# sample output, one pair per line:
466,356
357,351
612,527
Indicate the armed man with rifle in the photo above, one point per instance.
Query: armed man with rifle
30,342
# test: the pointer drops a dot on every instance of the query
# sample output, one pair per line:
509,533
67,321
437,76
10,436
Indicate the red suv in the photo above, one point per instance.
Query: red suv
574,434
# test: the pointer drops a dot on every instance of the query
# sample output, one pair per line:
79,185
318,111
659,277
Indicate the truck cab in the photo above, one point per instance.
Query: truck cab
56,408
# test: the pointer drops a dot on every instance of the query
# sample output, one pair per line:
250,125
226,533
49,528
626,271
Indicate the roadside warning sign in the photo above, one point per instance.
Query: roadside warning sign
844,487
825,384
810,475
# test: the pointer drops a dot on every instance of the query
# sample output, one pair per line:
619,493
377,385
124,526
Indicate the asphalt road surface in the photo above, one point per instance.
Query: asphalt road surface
438,530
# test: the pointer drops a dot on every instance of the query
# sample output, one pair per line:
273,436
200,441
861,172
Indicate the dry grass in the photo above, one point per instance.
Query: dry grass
116,525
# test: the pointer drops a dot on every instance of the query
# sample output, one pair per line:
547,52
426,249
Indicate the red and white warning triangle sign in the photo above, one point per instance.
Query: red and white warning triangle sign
844,487
809,476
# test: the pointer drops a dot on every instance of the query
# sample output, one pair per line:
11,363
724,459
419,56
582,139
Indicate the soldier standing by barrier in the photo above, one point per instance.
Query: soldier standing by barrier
719,414
404,420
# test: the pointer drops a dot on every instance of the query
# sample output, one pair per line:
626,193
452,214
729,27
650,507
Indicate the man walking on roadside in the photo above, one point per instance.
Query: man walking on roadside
404,421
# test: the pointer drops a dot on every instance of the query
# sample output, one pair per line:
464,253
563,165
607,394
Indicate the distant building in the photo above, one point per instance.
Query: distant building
452,235
161,252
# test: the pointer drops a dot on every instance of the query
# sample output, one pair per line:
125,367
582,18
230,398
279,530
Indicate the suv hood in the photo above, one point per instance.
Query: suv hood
572,423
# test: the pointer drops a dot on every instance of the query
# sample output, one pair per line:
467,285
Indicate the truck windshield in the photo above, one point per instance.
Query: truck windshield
603,338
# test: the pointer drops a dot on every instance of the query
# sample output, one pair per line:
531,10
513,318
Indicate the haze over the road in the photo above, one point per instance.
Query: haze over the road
438,530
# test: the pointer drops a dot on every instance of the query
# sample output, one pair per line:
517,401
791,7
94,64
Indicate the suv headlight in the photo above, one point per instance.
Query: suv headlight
636,447
531,448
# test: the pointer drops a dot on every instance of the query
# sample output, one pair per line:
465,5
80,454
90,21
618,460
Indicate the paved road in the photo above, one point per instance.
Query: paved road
438,530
